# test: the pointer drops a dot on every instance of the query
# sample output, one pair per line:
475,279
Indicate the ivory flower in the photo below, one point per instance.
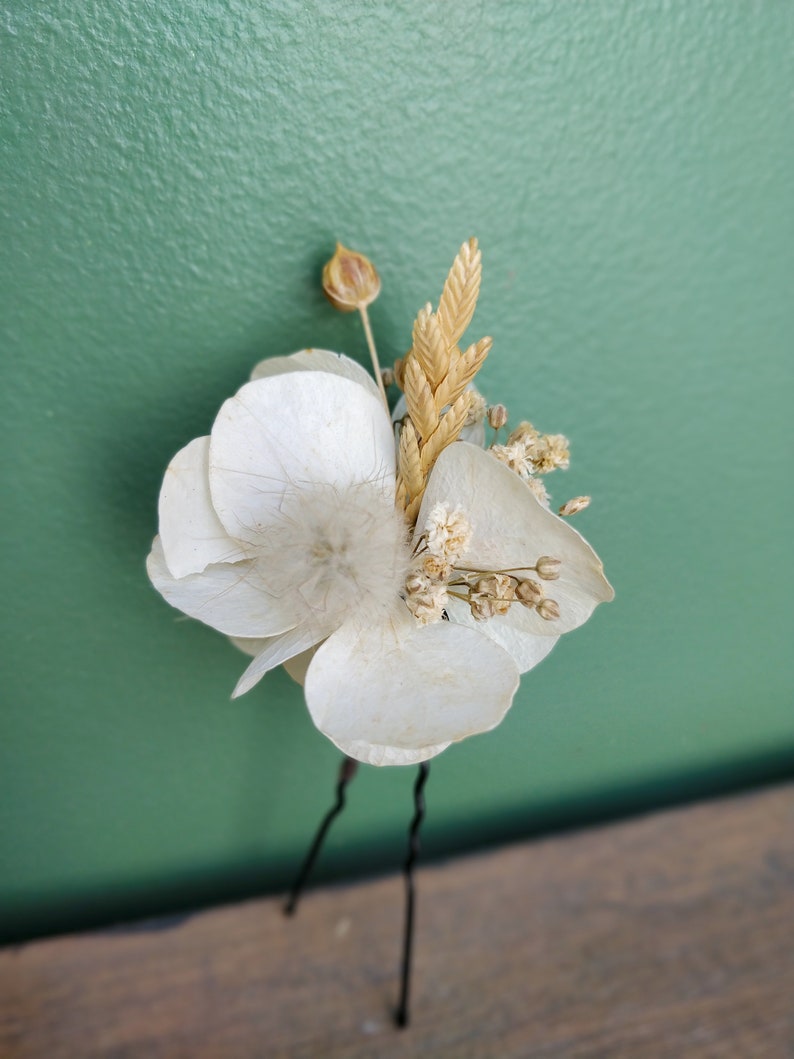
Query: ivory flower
279,529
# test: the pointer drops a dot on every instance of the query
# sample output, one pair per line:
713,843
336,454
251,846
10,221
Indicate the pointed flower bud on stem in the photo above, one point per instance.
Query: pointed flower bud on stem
529,592
549,609
351,281
548,569
497,416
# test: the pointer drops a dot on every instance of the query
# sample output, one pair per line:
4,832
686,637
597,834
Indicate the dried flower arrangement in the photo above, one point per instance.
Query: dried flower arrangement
403,572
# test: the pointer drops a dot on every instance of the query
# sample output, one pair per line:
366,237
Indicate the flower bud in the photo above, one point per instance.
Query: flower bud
350,280
529,592
497,416
574,506
549,609
548,569
482,607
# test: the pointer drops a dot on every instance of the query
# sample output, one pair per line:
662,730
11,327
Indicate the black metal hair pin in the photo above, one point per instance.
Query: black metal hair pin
403,1012
347,771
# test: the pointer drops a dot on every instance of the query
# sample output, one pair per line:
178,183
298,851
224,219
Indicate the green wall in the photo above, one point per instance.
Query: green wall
174,174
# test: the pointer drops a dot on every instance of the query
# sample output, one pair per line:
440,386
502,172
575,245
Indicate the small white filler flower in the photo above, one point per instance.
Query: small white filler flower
280,530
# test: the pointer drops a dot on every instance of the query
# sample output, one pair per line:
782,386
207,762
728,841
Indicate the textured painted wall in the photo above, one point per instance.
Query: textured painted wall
174,174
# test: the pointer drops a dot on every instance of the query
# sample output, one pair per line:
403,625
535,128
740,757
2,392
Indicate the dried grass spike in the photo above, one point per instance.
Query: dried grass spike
449,428
419,398
420,347
401,493
461,290
409,463
435,375
430,346
412,510
462,371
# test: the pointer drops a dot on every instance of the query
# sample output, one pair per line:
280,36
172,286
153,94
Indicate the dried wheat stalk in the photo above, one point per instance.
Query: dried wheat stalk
459,297
434,375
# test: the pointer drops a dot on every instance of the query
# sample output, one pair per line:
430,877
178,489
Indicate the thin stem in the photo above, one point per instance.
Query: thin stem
373,353
507,569
347,771
410,895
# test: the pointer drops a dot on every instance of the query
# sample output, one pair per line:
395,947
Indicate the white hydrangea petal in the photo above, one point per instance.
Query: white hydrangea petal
285,432
298,665
229,597
509,631
191,533
295,666
391,755
250,646
511,528
396,692
279,649
400,409
474,433
317,360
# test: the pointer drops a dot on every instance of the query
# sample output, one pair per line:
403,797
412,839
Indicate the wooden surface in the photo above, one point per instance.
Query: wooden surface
666,936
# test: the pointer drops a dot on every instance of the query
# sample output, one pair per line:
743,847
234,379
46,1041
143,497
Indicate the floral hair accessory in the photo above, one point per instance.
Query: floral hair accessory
403,584
399,569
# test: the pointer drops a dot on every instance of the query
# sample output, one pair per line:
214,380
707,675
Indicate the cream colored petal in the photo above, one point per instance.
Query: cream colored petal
509,631
396,692
511,529
296,666
250,647
474,433
317,360
285,433
391,755
279,649
190,531
229,597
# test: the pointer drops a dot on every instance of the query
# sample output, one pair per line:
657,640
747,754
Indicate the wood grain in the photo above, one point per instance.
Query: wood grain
666,936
